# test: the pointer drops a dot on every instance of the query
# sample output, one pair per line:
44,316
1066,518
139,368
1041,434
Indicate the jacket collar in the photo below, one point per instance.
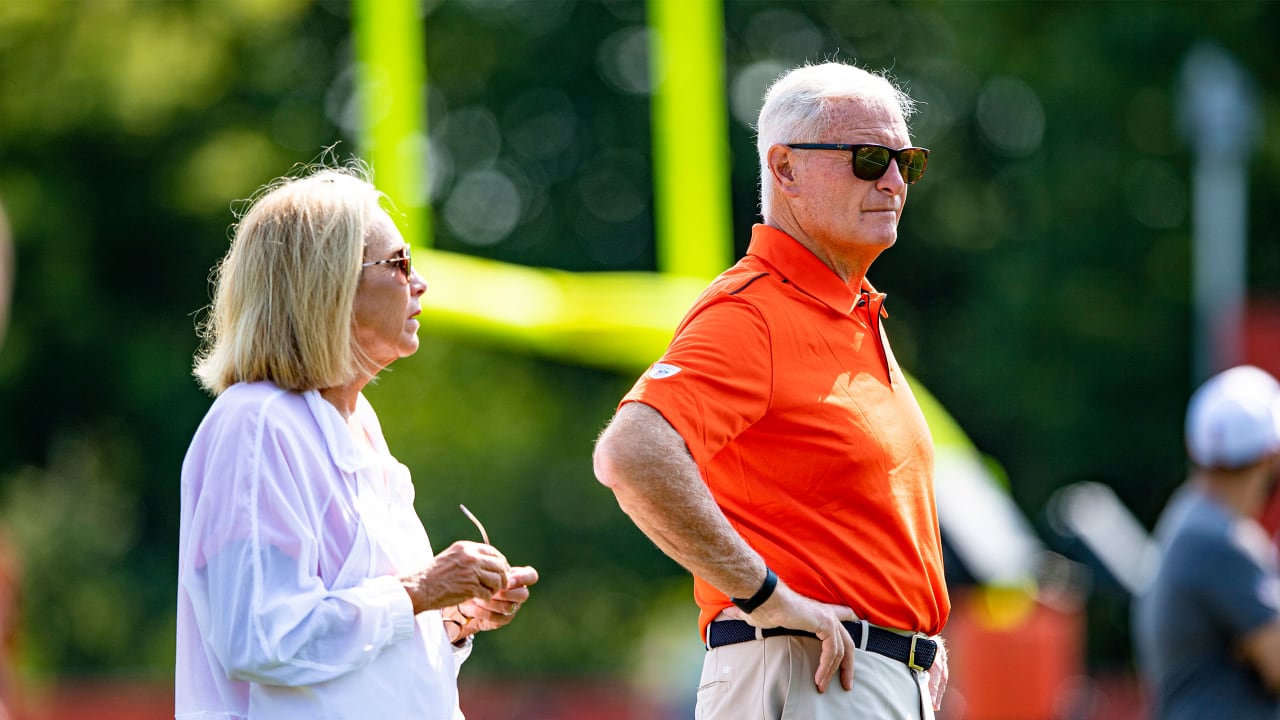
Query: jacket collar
342,447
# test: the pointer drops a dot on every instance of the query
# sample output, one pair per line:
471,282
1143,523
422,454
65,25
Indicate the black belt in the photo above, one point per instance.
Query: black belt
915,651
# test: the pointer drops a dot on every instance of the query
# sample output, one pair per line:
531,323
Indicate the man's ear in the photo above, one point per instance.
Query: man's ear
782,168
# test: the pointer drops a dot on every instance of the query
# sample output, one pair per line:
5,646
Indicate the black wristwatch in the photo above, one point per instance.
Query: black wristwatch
749,605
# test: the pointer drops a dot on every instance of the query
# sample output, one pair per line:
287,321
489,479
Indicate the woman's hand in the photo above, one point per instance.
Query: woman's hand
463,571
492,612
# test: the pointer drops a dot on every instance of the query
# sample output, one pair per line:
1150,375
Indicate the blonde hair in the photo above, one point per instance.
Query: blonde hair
284,294
795,106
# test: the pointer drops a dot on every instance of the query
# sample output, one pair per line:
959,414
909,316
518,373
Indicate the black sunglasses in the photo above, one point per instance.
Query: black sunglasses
871,162
404,261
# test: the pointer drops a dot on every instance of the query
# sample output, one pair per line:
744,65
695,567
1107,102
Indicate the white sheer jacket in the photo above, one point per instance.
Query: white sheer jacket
292,538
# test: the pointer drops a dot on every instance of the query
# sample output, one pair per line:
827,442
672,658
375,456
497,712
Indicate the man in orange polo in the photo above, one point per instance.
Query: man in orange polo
776,450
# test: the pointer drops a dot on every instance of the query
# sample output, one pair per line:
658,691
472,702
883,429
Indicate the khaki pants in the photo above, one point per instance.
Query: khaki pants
772,679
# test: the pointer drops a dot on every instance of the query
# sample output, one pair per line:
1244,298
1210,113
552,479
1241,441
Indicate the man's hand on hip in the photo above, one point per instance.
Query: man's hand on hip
787,608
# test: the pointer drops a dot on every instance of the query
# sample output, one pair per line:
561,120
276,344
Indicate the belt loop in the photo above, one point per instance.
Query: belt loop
866,631
759,633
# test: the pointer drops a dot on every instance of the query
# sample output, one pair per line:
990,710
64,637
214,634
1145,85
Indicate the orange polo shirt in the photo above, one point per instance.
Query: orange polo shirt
781,382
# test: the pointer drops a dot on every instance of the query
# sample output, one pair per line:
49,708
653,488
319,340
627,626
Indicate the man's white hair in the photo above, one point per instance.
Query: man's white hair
795,106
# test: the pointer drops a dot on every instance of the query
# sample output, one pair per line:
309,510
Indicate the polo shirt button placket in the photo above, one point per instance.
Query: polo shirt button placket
875,311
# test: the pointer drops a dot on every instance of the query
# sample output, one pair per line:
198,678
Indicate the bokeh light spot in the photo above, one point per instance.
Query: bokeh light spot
483,208
623,61
1010,115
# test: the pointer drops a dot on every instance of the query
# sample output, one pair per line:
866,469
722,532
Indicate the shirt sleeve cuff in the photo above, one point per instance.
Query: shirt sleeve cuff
398,604
463,651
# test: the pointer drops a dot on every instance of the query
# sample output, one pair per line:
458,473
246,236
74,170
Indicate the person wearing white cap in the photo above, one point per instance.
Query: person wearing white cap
1207,627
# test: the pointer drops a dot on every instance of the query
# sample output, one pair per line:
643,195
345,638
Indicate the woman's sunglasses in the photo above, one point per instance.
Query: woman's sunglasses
871,162
403,260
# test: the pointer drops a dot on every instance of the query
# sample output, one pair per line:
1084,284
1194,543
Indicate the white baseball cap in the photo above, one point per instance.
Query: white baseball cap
1233,419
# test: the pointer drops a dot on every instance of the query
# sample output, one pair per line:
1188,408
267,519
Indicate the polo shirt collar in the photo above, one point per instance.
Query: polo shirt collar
800,266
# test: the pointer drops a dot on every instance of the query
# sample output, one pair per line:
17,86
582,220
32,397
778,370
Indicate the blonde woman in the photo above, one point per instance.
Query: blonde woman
307,585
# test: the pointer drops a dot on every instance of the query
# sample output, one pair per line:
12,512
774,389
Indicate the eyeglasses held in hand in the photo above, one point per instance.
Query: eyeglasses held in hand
403,260
871,162
476,521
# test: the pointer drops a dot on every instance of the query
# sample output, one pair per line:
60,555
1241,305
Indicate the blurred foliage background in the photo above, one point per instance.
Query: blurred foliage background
1039,288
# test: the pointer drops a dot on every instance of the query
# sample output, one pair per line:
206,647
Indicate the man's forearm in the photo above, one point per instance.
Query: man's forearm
647,465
